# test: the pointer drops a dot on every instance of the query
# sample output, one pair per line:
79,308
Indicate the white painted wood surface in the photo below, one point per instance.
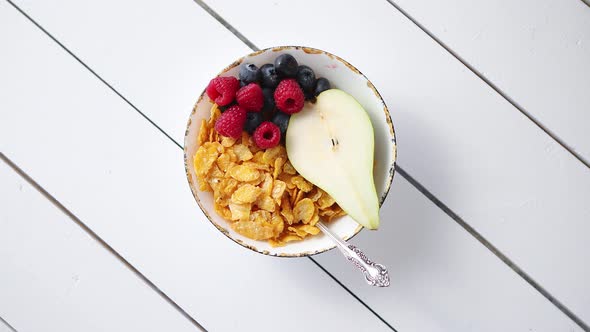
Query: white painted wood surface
537,51
443,272
538,306
459,138
125,180
55,277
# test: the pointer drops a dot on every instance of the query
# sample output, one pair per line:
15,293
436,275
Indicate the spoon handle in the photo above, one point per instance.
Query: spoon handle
375,274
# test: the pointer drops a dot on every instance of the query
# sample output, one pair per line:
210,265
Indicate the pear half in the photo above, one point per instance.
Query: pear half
331,143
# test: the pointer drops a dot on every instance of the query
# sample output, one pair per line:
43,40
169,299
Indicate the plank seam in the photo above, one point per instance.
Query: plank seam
97,238
86,228
351,293
492,248
7,324
226,24
493,86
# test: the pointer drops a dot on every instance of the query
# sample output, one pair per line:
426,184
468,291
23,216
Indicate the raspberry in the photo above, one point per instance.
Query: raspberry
289,97
231,122
250,97
267,135
222,90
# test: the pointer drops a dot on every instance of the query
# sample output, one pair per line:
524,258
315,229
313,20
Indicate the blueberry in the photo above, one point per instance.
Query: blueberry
270,79
321,85
286,65
282,121
224,108
269,102
306,78
249,73
253,120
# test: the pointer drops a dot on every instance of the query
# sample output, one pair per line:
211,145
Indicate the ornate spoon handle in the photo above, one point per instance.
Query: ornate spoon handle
375,274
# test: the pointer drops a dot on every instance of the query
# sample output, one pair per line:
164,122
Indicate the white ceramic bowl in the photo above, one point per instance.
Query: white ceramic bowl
342,75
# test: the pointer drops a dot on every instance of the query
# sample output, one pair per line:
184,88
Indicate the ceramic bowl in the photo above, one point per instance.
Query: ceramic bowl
341,75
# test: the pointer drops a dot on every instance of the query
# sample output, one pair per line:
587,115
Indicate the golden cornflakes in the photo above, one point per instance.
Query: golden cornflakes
271,154
303,210
289,169
223,211
298,197
240,211
246,193
304,230
258,157
325,201
286,211
226,142
315,194
242,152
266,203
254,230
279,162
204,158
258,191
278,189
244,173
267,184
203,133
301,183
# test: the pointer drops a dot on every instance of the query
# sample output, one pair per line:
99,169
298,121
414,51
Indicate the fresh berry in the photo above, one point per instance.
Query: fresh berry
253,120
270,79
306,78
321,85
267,135
286,65
250,97
231,122
269,102
282,121
288,96
249,73
309,95
222,90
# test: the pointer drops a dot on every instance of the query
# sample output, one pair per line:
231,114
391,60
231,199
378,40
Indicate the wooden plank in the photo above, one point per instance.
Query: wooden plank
449,312
126,181
460,139
535,51
57,278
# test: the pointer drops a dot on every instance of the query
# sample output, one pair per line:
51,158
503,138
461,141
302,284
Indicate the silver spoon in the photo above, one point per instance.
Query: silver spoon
375,274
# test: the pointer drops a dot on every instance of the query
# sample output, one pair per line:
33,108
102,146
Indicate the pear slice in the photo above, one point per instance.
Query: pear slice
331,143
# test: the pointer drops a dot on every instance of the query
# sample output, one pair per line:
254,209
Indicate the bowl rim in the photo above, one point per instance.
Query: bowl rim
309,50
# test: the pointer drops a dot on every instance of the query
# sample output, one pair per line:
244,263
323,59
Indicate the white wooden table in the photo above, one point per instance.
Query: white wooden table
486,227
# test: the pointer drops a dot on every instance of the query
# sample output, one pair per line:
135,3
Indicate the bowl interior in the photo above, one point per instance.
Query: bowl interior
342,76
